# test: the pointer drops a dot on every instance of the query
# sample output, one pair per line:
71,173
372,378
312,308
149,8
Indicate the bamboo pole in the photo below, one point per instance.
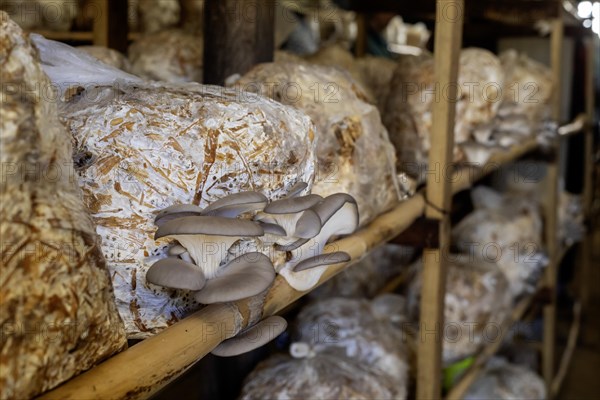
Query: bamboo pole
148,366
548,355
568,353
110,24
588,184
360,48
448,37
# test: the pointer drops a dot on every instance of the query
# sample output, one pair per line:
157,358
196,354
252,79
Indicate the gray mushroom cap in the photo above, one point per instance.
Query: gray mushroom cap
331,204
244,276
292,204
217,226
175,273
235,204
297,189
176,211
322,259
273,229
252,338
308,225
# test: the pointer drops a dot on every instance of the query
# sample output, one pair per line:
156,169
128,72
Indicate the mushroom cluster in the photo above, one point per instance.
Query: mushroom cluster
200,258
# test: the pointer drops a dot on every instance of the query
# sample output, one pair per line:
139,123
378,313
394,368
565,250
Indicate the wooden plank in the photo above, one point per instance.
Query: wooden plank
588,172
448,37
110,24
148,366
360,48
551,223
75,36
466,176
459,390
238,34
569,350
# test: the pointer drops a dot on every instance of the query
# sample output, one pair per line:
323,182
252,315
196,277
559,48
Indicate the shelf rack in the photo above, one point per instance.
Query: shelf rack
148,366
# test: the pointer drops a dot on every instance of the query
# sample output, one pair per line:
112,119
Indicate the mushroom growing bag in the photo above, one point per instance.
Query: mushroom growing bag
505,229
504,381
356,329
413,92
320,376
57,308
141,147
354,152
477,301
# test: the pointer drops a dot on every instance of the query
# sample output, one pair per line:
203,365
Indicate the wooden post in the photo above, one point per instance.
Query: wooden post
238,34
360,49
588,184
551,228
448,37
110,24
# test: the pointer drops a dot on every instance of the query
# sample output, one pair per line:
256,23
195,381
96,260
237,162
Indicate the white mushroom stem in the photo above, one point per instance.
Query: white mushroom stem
207,251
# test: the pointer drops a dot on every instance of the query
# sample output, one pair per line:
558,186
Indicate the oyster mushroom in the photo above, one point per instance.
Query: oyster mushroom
252,338
207,239
235,204
229,206
297,189
175,273
294,216
244,276
322,259
339,216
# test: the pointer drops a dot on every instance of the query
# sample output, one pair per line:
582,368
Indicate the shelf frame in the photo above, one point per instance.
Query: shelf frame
150,365
448,39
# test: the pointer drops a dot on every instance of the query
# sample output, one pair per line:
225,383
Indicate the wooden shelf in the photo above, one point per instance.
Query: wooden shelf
146,367
465,177
460,389
81,36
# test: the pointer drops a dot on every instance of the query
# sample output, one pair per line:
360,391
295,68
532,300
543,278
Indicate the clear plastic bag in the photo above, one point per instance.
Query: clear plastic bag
366,277
504,381
354,152
477,301
322,376
355,329
507,230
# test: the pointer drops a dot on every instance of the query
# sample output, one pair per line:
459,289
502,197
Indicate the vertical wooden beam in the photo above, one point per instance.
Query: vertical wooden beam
238,34
110,24
360,49
448,37
551,228
588,170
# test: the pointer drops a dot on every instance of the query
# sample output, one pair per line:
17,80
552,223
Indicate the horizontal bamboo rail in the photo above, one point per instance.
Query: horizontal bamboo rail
464,177
148,366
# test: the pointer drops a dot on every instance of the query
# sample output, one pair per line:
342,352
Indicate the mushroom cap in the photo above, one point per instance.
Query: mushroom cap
292,204
296,189
235,204
322,259
331,204
308,225
176,211
290,246
244,276
201,225
176,250
273,229
252,338
175,273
